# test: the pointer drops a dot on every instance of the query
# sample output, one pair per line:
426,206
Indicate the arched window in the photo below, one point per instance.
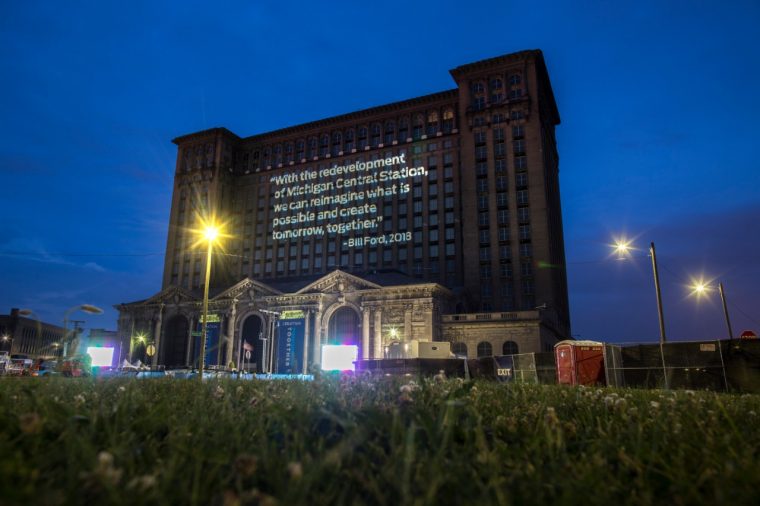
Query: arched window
419,124
344,327
432,123
459,349
485,349
403,130
448,120
509,348
390,129
337,143
349,141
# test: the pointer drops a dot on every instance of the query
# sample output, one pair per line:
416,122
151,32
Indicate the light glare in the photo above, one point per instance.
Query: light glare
339,357
101,356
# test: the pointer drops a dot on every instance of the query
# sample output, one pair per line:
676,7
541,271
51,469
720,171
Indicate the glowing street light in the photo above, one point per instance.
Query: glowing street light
700,288
623,248
209,232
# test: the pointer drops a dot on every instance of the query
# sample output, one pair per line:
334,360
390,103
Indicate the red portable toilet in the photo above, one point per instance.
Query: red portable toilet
580,362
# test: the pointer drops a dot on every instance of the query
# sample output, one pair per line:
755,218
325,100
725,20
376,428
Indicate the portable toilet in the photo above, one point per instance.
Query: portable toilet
580,362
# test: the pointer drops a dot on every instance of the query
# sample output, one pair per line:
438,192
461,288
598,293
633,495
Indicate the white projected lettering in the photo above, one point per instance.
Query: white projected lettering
341,199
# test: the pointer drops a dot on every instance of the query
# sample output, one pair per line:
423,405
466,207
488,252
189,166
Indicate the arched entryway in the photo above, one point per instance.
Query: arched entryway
250,337
175,339
345,327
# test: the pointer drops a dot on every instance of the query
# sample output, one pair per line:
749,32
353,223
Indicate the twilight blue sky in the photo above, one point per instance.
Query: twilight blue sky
659,102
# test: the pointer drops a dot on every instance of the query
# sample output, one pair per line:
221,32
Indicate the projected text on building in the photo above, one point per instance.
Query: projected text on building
342,199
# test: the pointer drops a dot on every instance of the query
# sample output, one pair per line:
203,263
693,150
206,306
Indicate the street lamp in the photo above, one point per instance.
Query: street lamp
210,233
700,288
623,249
85,308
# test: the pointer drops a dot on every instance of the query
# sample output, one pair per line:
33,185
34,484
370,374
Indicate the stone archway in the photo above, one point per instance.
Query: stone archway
345,327
251,331
175,341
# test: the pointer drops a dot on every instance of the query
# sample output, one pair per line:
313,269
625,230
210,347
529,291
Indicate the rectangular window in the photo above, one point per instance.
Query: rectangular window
521,179
522,197
524,232
501,199
482,202
483,219
481,153
505,252
450,251
521,163
433,235
503,234
485,254
449,233
485,236
482,185
505,270
523,214
526,250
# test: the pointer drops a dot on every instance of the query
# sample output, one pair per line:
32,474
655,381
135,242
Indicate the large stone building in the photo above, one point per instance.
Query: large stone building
434,218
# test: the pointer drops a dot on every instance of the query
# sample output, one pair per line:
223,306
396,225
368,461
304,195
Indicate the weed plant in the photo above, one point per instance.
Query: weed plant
379,441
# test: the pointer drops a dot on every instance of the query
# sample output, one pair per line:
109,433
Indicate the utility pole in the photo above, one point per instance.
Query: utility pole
77,327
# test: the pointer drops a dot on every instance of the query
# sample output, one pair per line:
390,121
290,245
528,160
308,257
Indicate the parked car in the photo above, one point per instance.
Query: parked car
44,367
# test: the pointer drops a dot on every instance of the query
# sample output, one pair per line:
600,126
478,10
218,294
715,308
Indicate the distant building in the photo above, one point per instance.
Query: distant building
27,336
434,218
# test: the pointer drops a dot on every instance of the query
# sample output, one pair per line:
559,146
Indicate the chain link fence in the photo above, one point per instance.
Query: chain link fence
727,365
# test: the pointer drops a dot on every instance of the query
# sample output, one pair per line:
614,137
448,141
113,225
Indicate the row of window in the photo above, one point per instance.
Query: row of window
485,348
358,138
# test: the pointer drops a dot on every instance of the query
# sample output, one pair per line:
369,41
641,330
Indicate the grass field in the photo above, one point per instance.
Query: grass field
371,441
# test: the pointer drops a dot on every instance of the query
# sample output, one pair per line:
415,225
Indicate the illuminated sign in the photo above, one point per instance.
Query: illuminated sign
342,199
291,314
101,356
290,344
337,357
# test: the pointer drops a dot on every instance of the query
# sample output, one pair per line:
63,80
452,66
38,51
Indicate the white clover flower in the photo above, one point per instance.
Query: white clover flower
654,404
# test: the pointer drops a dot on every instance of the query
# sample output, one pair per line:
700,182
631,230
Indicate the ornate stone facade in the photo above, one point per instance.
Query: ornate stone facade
384,314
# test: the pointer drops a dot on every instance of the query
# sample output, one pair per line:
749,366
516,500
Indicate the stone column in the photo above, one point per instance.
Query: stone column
230,335
157,337
365,333
189,351
306,337
408,323
318,337
429,324
378,333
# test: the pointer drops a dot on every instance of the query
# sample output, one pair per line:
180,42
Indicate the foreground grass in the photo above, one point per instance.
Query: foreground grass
371,441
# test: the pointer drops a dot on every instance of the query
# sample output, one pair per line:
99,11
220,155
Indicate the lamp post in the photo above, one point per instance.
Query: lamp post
210,235
623,249
700,288
85,308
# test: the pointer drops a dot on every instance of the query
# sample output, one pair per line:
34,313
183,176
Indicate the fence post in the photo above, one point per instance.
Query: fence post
723,364
664,369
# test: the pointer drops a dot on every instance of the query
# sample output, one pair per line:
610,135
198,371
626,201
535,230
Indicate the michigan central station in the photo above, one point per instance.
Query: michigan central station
430,220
